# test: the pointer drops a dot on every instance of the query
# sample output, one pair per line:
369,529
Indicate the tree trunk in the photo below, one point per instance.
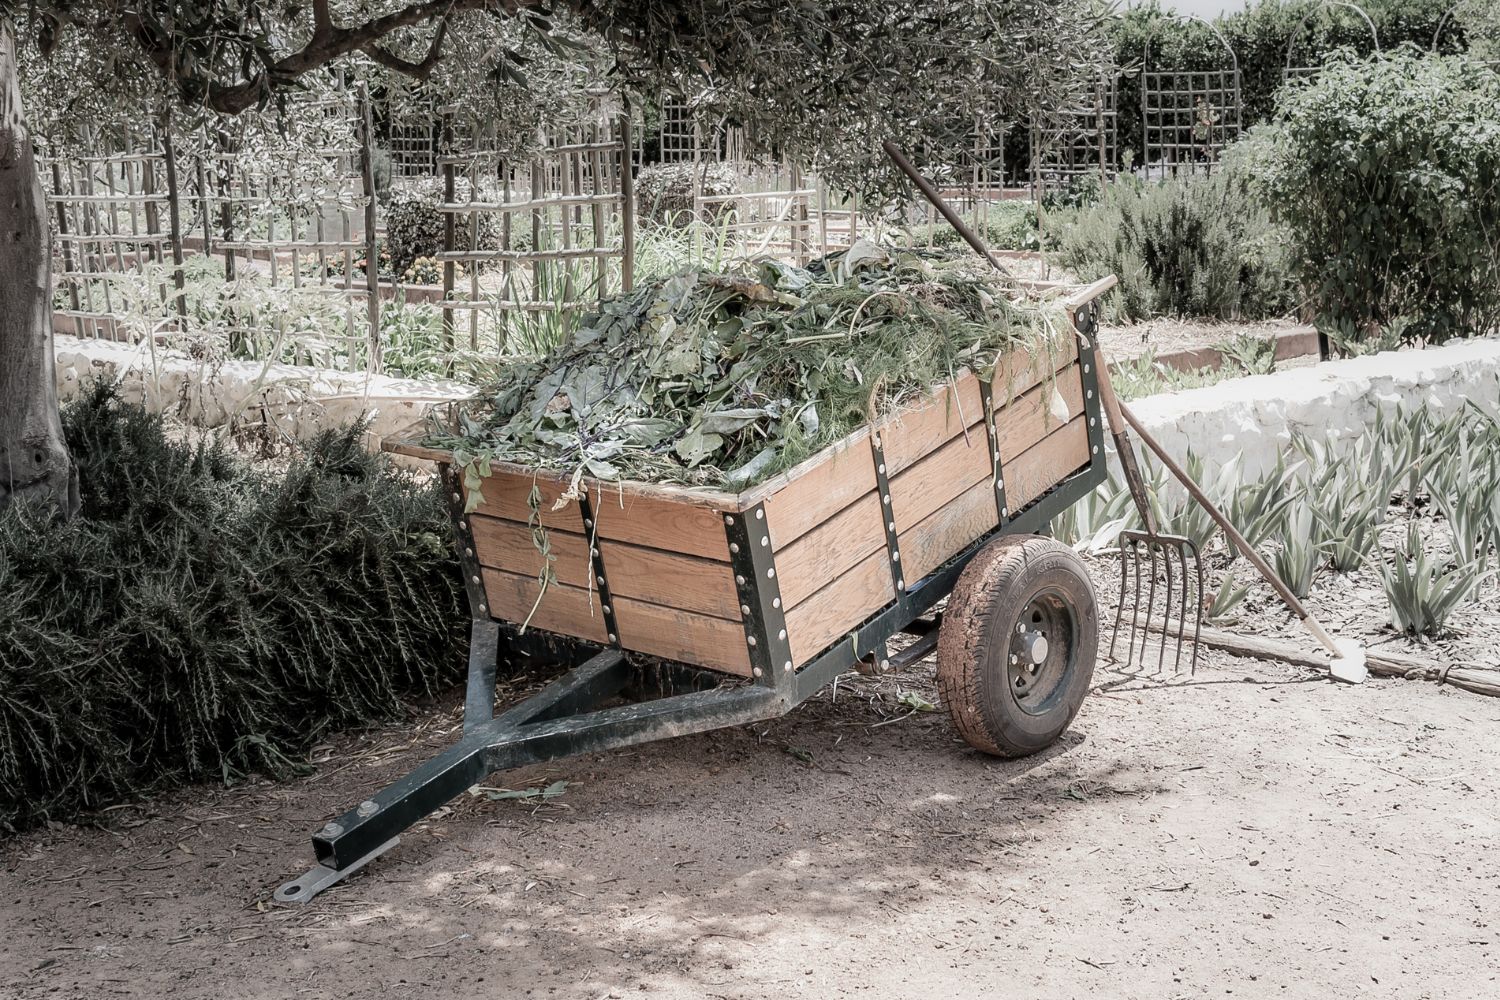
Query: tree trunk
34,458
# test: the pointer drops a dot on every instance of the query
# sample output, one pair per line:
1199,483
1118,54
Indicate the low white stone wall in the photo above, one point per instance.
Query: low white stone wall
1256,416
283,400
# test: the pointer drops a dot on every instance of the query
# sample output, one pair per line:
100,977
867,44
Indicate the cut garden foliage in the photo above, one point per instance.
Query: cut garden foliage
722,380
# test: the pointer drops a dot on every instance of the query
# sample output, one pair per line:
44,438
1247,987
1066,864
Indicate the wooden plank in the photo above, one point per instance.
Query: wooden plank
566,610
819,620
507,546
818,489
675,525
678,581
505,496
835,546
1041,467
681,635
666,578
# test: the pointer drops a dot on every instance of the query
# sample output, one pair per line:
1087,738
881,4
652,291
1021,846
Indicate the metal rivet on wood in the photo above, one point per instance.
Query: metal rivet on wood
601,575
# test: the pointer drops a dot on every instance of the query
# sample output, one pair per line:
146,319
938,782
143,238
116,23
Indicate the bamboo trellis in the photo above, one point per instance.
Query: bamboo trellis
112,215
562,235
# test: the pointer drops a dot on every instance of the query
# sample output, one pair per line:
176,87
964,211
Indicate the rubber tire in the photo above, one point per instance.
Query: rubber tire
973,643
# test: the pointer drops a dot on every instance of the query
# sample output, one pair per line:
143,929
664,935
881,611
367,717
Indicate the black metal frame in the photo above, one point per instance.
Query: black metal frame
591,707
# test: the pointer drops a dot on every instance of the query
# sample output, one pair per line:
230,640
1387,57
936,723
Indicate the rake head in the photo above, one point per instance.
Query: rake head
1149,562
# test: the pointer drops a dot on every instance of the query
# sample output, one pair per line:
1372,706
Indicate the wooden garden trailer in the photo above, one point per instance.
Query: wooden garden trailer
694,609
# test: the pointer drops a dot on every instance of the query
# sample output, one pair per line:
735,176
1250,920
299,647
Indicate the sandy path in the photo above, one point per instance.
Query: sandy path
1276,838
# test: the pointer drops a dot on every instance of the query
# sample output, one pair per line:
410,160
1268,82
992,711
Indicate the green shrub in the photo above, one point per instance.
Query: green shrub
1188,246
664,192
202,618
1007,225
414,226
1260,35
1386,174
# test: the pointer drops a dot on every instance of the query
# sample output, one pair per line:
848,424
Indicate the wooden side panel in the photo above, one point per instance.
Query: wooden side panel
566,610
941,476
906,437
951,528
1019,371
838,607
830,549
666,578
947,531
1028,419
1043,466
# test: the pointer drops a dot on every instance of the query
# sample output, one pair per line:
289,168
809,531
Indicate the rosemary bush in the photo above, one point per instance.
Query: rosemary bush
1189,246
202,618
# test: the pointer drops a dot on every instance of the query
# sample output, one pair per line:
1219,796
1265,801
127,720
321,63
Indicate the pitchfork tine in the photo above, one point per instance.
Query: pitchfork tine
1197,603
1120,605
1151,546
1198,617
1161,656
1135,605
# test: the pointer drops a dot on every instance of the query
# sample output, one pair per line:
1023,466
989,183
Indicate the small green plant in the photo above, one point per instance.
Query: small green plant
1299,557
1228,597
1346,519
1253,355
1422,593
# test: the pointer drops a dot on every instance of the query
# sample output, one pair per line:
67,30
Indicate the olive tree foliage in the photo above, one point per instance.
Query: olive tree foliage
824,82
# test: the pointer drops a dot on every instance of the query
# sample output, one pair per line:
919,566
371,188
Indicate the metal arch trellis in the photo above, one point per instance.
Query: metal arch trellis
1188,117
1084,140
1302,72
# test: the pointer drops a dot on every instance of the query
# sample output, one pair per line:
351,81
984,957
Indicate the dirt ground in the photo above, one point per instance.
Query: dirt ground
1252,830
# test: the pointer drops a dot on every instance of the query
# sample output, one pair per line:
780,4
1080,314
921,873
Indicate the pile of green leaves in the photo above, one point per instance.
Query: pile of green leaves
202,618
1386,174
725,379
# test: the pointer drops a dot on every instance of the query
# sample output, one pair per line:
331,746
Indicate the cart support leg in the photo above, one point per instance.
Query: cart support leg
484,653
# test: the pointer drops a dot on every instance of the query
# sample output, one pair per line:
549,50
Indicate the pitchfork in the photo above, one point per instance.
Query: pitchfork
1348,656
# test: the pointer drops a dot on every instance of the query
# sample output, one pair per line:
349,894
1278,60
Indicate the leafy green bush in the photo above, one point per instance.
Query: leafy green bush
664,192
1260,35
414,226
1007,225
1386,175
1188,246
202,618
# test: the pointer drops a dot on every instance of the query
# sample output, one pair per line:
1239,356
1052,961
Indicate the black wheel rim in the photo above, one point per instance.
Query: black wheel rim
1043,644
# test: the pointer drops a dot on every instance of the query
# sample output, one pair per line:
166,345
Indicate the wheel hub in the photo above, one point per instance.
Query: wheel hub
1039,651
